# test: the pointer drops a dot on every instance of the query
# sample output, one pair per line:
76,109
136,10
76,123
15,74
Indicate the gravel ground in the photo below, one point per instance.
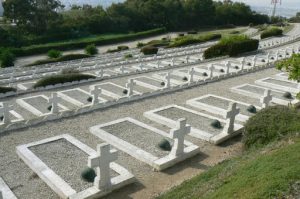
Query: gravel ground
196,121
138,136
224,104
151,81
23,183
282,83
66,160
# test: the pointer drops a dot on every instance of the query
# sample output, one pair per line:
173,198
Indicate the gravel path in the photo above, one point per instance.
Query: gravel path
282,83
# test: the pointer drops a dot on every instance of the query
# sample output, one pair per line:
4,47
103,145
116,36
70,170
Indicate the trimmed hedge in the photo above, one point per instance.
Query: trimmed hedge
7,58
231,48
188,40
60,59
62,78
91,49
54,54
271,32
149,50
38,49
118,49
7,89
158,43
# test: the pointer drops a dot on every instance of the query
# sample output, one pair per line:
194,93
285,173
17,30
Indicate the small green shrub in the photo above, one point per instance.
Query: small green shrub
271,32
49,108
205,74
121,48
192,32
7,58
185,79
54,54
125,91
222,70
251,109
7,89
149,50
234,32
165,145
140,45
271,124
180,34
88,175
287,95
216,124
128,56
163,83
89,99
298,96
62,78
91,49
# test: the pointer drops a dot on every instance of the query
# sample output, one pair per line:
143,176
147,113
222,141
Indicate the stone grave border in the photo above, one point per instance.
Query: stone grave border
57,184
74,101
216,110
197,133
138,153
6,192
262,82
276,100
34,110
282,76
146,85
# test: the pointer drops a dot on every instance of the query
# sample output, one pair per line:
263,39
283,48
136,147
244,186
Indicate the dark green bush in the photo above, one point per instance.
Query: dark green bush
271,32
123,48
128,56
60,59
149,50
62,78
165,145
216,124
251,109
188,40
192,32
54,54
231,46
140,45
271,124
7,89
158,43
88,175
118,49
7,58
288,95
91,49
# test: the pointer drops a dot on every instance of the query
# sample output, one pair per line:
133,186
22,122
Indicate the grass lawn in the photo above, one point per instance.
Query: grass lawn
260,174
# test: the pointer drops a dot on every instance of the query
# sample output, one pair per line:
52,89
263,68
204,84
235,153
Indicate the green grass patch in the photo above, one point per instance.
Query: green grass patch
62,78
188,40
7,89
257,174
60,59
81,43
271,32
271,124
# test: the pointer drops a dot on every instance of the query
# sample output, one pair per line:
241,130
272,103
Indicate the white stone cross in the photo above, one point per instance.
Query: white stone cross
53,100
178,134
254,61
285,53
122,68
228,64
191,75
243,62
4,111
96,91
231,113
129,87
158,63
268,58
187,58
266,99
141,66
101,162
211,68
100,73
277,55
173,61
168,80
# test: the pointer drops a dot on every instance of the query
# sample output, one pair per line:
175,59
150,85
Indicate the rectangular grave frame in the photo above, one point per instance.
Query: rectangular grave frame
216,110
197,133
109,93
150,86
34,110
157,163
22,86
279,87
74,101
6,191
282,76
237,89
57,184
173,81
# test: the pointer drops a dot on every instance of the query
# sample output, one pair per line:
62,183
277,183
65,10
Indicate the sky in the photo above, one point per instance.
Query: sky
285,3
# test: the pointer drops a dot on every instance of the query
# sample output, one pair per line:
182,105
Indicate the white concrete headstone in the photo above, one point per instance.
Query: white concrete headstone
191,75
228,64
178,134
122,69
101,162
231,113
187,58
54,100
173,61
266,99
211,68
254,61
243,62
4,111
95,92
130,86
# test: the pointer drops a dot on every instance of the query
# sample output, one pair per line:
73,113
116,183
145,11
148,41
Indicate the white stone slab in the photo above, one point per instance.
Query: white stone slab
161,76
57,184
140,154
144,81
26,86
64,95
218,110
282,85
5,190
275,93
111,93
195,132
22,102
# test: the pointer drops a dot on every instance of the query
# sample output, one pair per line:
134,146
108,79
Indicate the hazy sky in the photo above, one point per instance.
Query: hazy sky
285,3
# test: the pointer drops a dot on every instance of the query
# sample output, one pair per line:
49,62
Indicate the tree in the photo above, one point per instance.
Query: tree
7,58
33,15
